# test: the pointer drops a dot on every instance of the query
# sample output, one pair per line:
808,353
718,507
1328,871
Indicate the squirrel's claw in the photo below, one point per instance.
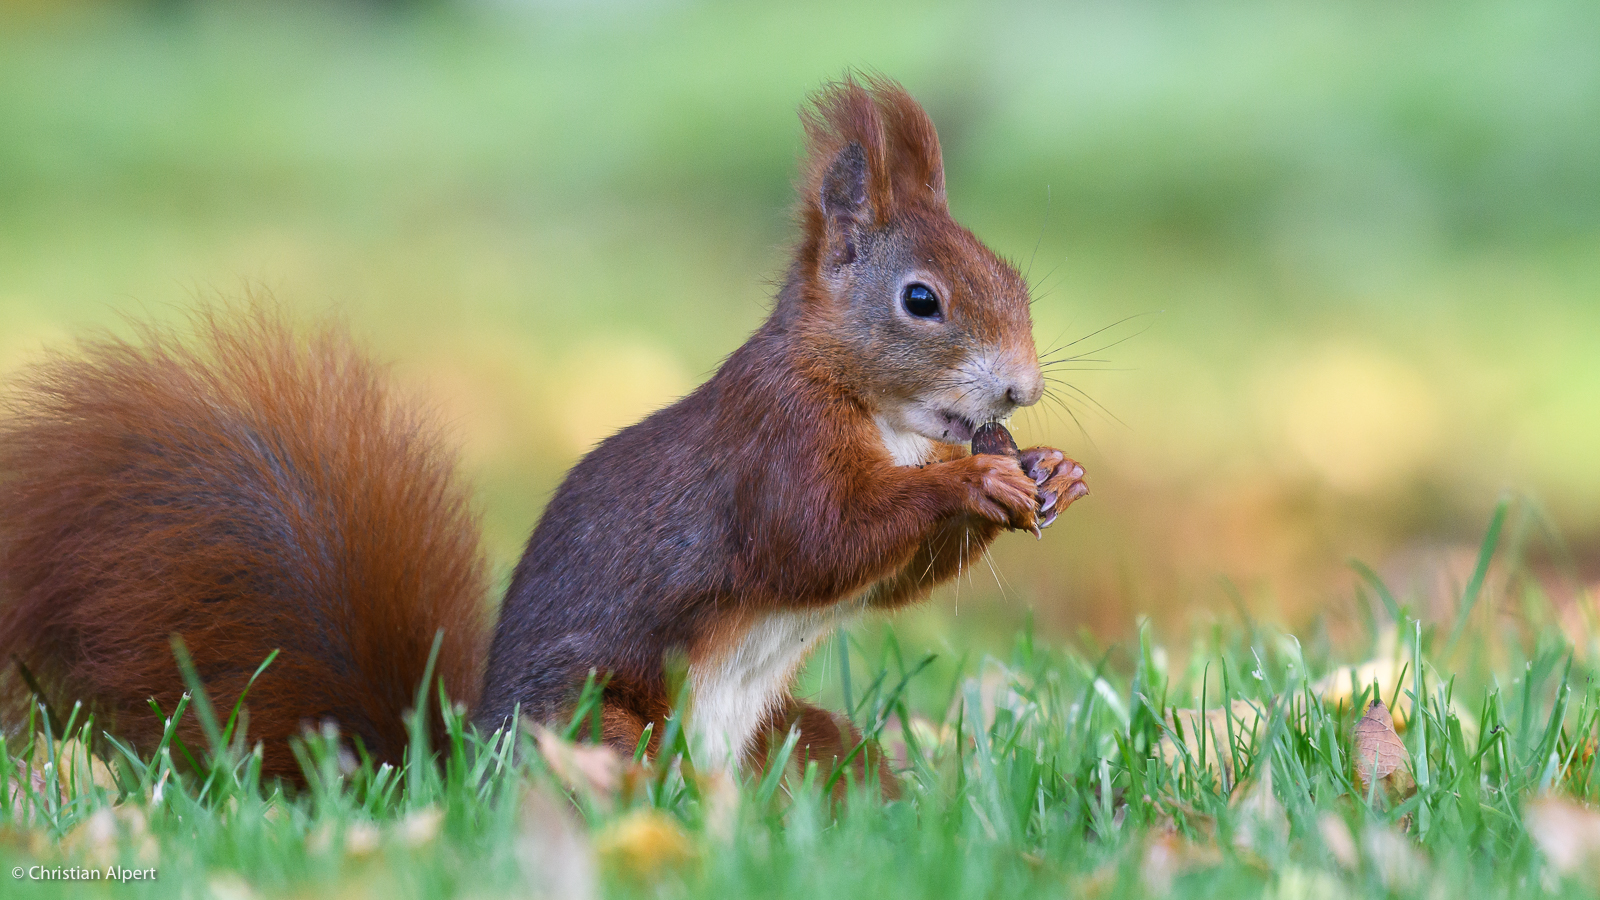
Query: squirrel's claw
1060,482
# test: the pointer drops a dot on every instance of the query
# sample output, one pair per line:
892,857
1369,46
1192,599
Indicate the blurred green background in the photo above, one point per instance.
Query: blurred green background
1346,256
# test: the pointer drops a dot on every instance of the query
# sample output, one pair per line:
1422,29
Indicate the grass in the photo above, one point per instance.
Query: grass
1369,233
1362,238
1047,773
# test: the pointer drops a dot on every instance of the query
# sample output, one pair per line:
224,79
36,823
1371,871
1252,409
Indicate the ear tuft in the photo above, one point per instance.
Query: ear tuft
871,152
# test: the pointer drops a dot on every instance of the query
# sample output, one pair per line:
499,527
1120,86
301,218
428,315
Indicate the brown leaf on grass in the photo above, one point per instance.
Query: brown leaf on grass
552,847
1167,855
72,763
644,844
593,770
1340,842
1567,833
1393,856
420,827
76,762
1379,753
26,841
931,740
94,839
1261,819
354,840
1388,673
1217,754
102,836
229,886
719,798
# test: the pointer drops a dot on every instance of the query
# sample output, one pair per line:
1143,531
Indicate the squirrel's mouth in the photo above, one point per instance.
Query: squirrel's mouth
958,429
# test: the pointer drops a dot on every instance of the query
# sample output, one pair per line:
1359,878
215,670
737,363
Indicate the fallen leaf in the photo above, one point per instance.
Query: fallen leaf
94,839
74,764
361,839
1394,857
1340,842
1340,688
1295,883
594,770
644,844
1567,833
1246,720
553,849
1168,855
719,798
30,841
420,827
1262,821
1379,753
28,781
229,886
931,740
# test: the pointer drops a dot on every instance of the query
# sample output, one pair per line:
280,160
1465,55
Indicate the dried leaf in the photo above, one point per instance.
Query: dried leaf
593,770
1567,834
1392,855
1168,855
1295,883
94,839
1340,842
361,839
1339,688
420,827
1379,753
1246,724
229,886
553,849
30,842
101,837
932,741
1261,818
644,844
76,763
719,797
1400,866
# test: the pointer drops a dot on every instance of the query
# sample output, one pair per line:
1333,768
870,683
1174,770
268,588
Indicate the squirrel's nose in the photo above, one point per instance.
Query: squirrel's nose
1026,390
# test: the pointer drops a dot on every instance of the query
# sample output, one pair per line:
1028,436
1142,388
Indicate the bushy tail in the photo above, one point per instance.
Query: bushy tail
260,490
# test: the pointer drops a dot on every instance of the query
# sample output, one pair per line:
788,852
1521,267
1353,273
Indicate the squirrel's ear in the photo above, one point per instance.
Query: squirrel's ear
871,154
843,198
914,157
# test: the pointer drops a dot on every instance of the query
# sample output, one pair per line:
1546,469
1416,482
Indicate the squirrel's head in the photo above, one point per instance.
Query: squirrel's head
903,306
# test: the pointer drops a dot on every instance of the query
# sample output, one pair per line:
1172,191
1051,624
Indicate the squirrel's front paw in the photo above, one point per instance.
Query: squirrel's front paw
999,490
1059,480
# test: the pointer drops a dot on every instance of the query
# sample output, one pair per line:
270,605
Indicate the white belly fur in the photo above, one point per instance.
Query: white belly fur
732,695
906,448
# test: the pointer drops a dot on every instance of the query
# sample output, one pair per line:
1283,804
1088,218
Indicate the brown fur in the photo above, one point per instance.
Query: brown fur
826,739
262,492
768,489
265,493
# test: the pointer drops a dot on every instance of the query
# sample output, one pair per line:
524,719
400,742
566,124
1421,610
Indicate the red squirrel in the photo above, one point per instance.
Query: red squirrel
266,491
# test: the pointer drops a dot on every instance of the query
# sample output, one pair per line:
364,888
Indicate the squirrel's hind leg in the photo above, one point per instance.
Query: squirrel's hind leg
825,738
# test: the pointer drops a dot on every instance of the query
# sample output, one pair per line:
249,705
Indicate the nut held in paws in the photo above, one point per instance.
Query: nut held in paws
993,438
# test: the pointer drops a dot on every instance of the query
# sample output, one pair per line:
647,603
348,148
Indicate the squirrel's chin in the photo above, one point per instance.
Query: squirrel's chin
944,426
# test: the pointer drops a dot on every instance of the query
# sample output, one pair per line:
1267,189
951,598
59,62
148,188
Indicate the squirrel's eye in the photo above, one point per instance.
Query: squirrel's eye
920,301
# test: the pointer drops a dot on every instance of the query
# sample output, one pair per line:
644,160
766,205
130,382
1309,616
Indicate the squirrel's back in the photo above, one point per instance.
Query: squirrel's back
259,491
